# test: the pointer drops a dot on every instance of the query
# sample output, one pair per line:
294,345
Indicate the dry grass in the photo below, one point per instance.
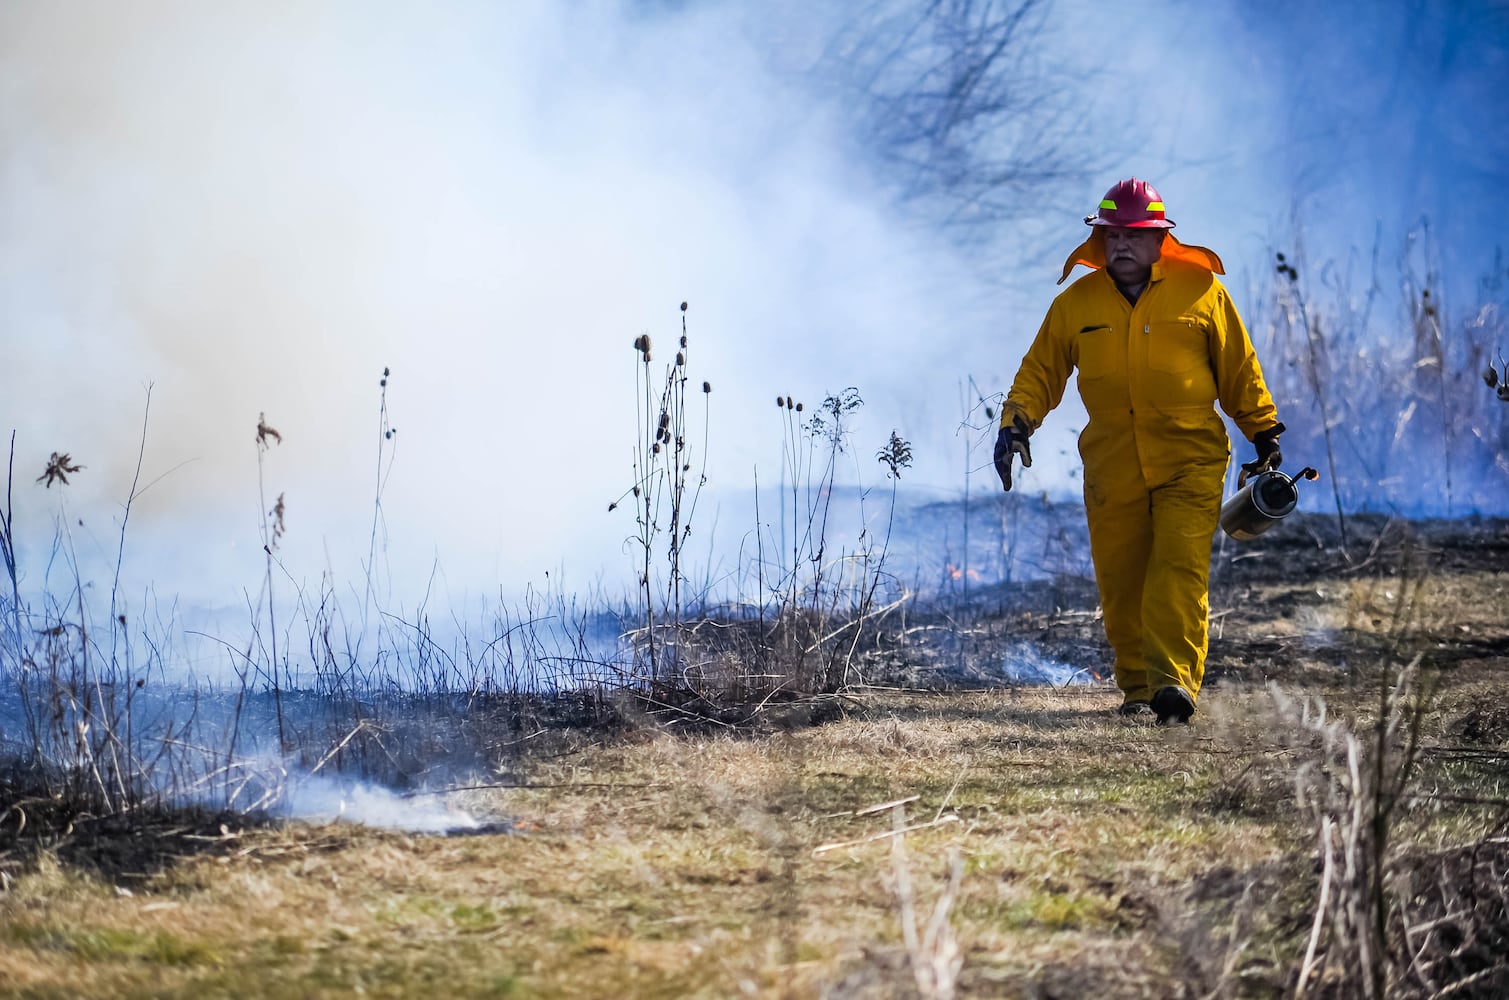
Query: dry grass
1098,855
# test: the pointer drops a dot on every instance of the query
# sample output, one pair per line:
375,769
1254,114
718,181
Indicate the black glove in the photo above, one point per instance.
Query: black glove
1010,442
1268,455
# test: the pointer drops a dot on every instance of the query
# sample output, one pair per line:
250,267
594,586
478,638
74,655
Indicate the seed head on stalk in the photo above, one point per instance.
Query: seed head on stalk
59,467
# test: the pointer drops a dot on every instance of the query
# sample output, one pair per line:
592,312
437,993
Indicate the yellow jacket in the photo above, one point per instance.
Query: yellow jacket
1150,374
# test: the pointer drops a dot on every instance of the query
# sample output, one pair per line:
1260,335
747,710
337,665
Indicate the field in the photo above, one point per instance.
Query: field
408,590
1050,848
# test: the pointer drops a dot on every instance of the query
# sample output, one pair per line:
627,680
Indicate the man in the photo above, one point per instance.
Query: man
1157,343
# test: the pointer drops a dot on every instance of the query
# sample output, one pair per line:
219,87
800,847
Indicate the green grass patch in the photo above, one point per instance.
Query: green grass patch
111,944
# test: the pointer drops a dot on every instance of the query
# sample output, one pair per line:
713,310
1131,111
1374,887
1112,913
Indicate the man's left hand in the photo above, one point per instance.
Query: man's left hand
1268,454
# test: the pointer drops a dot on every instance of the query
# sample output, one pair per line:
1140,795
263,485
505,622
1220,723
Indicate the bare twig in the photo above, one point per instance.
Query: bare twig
886,835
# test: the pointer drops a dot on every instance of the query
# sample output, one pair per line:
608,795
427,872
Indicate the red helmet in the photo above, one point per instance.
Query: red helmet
1132,204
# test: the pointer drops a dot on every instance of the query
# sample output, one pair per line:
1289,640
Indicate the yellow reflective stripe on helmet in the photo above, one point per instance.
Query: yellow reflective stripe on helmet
1155,206
1108,203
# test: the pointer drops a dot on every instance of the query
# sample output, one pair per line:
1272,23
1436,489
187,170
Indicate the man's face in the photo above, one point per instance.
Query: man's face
1130,253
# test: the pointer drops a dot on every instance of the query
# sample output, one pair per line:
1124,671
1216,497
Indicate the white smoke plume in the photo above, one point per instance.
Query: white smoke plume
316,798
256,208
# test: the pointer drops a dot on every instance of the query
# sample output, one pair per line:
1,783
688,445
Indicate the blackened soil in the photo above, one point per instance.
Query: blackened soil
1313,600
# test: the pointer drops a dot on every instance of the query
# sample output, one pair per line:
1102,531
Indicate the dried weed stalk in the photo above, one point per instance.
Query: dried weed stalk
59,467
665,494
1317,369
933,948
8,556
1352,786
1386,924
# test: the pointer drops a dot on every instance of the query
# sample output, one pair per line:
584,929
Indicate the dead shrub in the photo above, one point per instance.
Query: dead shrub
1450,929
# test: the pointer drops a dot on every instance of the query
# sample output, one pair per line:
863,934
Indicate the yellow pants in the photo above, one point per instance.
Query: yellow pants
1151,549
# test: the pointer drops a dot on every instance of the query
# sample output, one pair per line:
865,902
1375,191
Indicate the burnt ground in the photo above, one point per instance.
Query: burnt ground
1296,605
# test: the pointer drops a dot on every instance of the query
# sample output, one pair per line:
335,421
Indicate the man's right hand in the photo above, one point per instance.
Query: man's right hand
1010,442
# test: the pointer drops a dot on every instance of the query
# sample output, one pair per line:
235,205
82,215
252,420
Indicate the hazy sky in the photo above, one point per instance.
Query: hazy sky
256,207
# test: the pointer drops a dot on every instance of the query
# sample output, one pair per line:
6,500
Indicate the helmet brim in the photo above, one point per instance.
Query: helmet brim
1095,220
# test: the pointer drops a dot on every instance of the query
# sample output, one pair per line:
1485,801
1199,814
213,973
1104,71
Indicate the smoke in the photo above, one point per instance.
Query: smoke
1026,664
316,798
258,208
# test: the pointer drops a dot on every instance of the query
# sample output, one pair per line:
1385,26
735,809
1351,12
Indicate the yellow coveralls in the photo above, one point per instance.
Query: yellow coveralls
1154,449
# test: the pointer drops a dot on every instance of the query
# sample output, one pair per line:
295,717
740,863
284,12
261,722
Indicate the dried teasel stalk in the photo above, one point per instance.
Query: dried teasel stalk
266,434
59,467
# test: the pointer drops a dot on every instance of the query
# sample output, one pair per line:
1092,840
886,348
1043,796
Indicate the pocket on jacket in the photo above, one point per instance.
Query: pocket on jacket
1096,353
1177,346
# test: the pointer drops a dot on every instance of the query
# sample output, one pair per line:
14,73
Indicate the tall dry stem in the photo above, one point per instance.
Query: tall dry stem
8,555
933,947
387,446
665,495
1317,369
272,531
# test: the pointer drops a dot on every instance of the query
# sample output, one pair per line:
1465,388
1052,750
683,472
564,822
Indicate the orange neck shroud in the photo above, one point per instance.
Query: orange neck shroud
1092,253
